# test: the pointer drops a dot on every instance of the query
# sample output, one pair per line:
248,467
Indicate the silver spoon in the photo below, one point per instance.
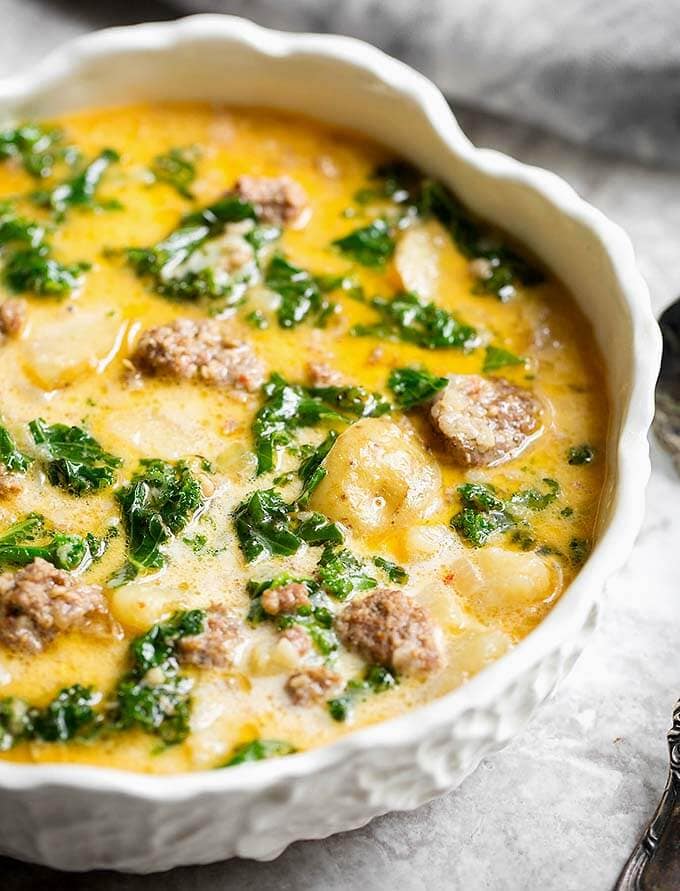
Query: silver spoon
654,864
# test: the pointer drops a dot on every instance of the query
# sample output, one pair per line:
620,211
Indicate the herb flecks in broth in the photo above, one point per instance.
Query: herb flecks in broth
29,266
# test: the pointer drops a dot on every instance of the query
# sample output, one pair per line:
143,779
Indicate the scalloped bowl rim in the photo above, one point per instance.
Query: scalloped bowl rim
610,552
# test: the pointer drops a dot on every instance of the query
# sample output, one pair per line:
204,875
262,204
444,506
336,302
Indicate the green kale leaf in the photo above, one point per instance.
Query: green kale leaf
266,526
75,461
413,386
311,471
157,504
406,317
341,574
32,537
496,358
10,456
259,750
394,573
303,296
377,679
370,245
177,168
80,190
36,147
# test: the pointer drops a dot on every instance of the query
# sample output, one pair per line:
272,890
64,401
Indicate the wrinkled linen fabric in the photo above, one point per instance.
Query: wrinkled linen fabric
605,73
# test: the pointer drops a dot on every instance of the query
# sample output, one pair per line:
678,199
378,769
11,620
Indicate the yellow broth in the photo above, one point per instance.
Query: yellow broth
68,366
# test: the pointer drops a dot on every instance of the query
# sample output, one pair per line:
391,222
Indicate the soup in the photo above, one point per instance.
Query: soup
291,442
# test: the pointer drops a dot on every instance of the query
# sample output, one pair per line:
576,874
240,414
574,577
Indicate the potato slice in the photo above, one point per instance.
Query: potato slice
75,342
378,477
417,259
513,579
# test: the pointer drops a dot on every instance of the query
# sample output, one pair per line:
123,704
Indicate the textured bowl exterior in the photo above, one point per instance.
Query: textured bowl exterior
77,818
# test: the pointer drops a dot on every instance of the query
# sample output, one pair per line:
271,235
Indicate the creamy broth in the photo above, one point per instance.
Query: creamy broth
71,364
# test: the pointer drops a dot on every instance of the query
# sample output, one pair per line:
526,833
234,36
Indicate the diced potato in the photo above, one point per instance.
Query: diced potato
75,342
514,579
139,606
471,652
174,429
378,477
425,542
445,607
417,259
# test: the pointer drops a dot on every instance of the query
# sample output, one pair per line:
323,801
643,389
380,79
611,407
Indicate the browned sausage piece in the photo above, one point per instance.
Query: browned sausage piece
388,628
10,483
214,646
484,420
38,602
12,317
285,599
312,685
189,350
277,200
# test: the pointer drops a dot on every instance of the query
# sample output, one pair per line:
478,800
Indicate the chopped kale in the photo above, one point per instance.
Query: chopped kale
153,696
75,461
18,230
303,296
397,180
38,148
159,501
34,271
406,317
263,527
315,529
581,454
312,471
482,514
506,268
10,457
163,264
496,358
177,168
394,572
535,500
377,679
341,574
370,245
286,407
80,190
32,537
266,526
29,265
579,548
69,713
356,401
413,386
259,750
65,717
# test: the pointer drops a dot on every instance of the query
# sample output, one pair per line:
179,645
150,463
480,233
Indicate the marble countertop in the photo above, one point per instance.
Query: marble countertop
563,804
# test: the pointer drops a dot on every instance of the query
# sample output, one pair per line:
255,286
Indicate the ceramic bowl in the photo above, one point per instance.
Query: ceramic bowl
78,818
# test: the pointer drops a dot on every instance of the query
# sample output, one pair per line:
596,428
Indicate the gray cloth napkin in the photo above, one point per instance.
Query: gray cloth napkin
600,72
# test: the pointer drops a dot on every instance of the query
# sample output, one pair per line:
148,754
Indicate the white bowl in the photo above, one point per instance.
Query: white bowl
79,818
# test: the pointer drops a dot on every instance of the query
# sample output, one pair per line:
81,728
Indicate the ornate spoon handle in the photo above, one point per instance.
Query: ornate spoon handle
654,864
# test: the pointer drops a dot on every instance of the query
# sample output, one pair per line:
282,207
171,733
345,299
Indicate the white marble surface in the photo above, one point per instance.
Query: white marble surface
559,809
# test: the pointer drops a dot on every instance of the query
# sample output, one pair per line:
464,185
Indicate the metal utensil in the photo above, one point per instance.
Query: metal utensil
667,418
654,864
